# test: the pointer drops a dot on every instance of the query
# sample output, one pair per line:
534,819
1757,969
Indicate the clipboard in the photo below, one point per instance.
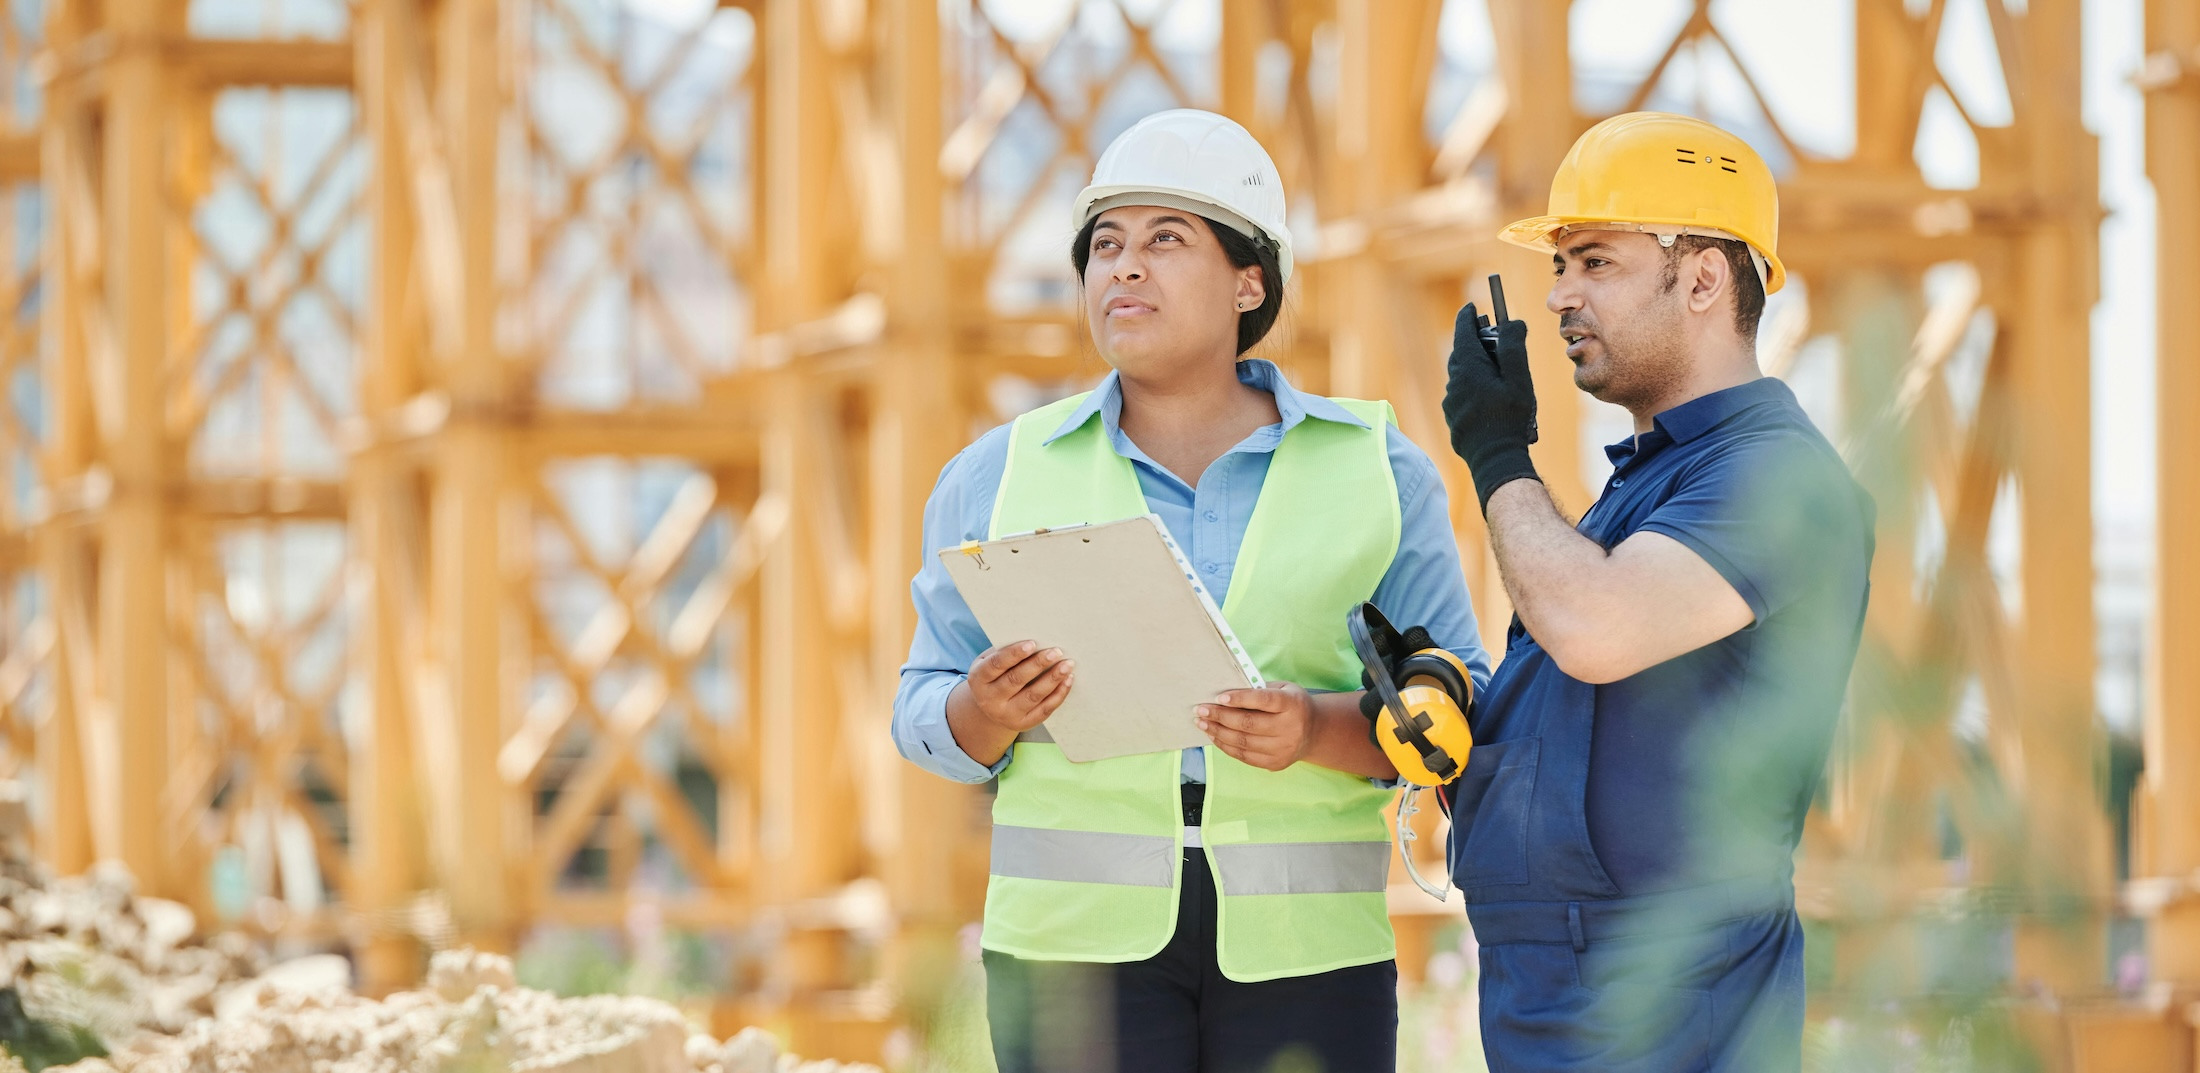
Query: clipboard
1121,600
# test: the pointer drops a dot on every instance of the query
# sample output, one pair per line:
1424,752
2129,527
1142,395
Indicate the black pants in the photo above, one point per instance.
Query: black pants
1176,1013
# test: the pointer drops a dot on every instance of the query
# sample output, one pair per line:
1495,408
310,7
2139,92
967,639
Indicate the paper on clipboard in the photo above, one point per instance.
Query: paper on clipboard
1121,600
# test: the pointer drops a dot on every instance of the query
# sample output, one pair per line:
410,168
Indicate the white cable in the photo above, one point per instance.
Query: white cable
1408,807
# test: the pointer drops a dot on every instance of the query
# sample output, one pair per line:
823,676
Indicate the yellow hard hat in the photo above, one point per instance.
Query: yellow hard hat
1666,175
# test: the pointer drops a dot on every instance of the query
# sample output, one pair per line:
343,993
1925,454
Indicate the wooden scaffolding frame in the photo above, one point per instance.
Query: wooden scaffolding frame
615,366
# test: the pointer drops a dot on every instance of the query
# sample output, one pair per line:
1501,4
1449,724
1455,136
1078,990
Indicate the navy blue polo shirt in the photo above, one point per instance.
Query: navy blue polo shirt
1703,767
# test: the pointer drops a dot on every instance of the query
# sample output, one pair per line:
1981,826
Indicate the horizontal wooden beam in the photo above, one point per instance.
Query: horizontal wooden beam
218,63
213,62
708,435
1056,337
1444,231
719,431
262,498
83,498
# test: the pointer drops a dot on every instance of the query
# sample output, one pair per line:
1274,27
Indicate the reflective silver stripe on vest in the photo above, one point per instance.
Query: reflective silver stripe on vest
1084,856
1303,867
1037,734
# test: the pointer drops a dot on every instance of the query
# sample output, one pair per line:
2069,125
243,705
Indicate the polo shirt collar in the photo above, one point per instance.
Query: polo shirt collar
1697,416
1294,405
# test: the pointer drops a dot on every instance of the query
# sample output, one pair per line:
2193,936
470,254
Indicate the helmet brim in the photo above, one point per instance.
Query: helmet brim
1094,200
1532,233
1537,233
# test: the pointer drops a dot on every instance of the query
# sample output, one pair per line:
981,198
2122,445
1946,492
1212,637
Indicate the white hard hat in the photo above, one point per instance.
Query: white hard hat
1199,162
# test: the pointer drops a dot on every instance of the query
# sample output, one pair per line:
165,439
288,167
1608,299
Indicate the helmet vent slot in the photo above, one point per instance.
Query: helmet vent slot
1688,156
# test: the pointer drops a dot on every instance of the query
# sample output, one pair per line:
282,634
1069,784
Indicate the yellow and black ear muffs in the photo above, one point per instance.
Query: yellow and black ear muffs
1422,725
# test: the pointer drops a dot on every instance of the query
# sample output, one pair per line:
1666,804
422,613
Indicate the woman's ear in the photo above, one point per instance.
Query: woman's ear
1252,289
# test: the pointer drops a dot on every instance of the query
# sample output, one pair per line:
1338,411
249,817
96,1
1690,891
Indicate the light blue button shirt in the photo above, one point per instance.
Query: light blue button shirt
1424,585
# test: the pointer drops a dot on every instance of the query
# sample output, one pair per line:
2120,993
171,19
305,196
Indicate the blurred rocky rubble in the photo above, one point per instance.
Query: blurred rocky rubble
471,1018
87,956
87,966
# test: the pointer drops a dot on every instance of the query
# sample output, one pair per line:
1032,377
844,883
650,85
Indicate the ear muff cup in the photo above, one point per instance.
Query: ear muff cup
1434,690
1421,721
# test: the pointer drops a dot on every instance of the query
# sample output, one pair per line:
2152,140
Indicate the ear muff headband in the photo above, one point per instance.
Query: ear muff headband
1430,665
1361,624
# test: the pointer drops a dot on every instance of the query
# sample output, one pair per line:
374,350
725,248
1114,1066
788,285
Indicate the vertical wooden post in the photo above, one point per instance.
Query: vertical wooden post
130,737
915,428
1385,50
2056,273
1887,97
2171,790
467,504
66,838
804,846
385,810
1245,30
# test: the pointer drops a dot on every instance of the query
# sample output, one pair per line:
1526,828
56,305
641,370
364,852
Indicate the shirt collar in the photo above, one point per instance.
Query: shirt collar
1697,416
1700,415
1294,405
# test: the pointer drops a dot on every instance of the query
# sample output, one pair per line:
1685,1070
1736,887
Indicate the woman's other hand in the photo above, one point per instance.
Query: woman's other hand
1270,728
1016,686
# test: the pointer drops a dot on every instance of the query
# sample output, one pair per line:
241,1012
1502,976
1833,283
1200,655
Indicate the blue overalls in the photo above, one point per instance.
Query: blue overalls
1692,961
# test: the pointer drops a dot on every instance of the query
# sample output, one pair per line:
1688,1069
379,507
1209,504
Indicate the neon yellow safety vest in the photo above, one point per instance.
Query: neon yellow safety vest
1086,857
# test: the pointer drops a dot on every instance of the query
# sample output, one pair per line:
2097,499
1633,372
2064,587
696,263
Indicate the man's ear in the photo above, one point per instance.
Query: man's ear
1710,279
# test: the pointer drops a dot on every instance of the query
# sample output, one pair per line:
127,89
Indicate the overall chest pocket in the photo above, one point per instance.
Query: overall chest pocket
1490,814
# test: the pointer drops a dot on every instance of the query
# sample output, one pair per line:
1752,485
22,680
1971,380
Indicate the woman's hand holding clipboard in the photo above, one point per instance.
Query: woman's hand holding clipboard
1119,600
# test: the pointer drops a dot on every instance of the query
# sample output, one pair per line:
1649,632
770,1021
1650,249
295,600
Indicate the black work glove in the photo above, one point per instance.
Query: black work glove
1490,401
1394,649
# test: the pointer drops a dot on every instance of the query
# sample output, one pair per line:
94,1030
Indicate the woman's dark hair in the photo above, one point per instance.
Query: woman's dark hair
1253,324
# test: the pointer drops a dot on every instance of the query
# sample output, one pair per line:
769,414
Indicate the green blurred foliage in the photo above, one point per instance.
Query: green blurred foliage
670,965
1919,1039
42,1044
1439,1026
953,1039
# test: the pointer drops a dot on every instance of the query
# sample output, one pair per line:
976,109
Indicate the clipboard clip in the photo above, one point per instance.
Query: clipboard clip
975,551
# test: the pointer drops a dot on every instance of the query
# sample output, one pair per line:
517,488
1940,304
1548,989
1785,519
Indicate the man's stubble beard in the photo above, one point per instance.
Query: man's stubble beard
1641,370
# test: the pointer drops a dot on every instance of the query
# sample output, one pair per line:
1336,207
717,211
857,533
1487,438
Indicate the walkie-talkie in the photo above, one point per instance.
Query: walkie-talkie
1484,324
1487,329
